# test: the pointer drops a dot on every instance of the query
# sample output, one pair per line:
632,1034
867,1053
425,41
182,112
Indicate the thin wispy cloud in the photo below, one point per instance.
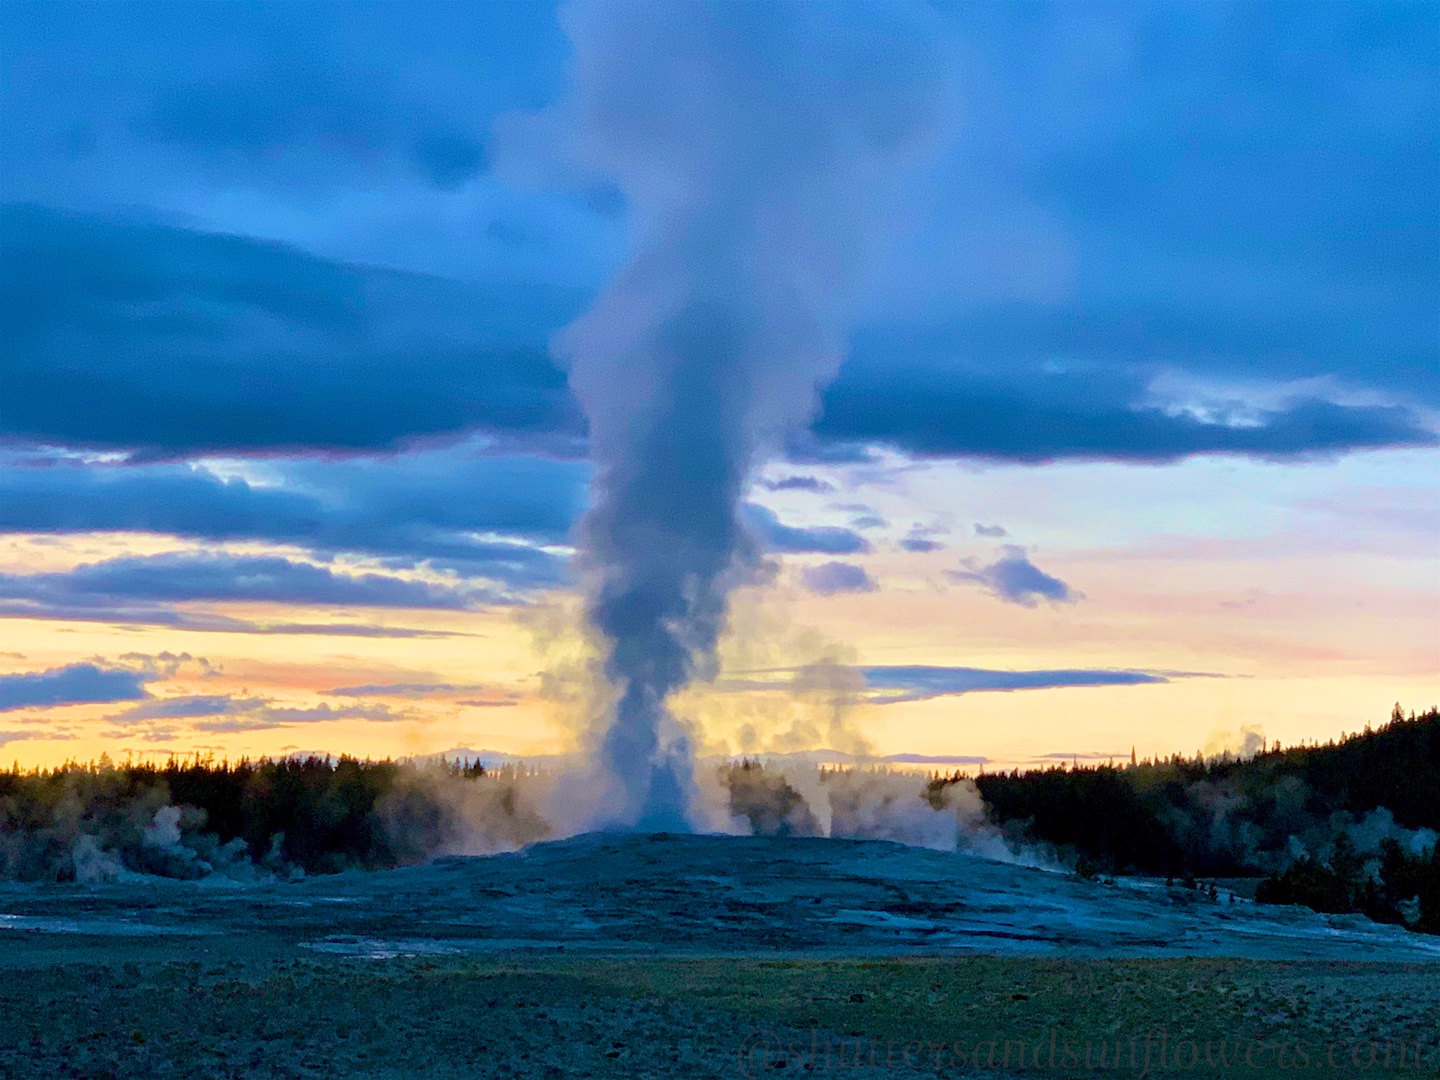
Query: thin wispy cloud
211,622
895,684
230,713
408,690
191,576
799,483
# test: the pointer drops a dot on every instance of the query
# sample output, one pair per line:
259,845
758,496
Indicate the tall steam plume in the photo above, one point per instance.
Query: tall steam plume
755,145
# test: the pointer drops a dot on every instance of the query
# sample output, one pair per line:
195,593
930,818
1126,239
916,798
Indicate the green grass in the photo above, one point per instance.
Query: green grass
975,1001
691,1017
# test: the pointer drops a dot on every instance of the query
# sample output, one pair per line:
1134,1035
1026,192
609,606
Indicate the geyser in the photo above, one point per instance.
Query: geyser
756,146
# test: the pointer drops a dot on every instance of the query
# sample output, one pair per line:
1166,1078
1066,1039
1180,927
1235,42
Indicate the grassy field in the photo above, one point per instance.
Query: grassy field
142,1015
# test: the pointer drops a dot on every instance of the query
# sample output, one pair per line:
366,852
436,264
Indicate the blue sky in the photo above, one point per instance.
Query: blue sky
278,285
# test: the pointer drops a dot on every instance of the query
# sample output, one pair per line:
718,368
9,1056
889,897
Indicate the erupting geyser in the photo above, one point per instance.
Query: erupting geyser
755,145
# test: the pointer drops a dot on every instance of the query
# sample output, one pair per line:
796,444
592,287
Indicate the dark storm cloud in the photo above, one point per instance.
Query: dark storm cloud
943,418
995,395
149,337
243,126
1239,191
313,96
446,509
74,684
1015,579
436,508
281,350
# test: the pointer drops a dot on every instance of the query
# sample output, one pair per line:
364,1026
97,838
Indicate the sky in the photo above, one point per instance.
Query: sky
1133,441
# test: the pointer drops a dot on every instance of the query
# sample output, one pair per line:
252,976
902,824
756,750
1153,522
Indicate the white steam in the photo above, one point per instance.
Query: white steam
757,147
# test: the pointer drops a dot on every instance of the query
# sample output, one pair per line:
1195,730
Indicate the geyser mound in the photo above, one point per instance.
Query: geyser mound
658,894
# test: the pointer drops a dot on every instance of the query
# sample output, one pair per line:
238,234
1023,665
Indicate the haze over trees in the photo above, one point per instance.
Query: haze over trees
1339,827
1348,826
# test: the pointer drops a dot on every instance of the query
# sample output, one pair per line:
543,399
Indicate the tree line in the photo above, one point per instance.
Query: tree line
190,818
1345,826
